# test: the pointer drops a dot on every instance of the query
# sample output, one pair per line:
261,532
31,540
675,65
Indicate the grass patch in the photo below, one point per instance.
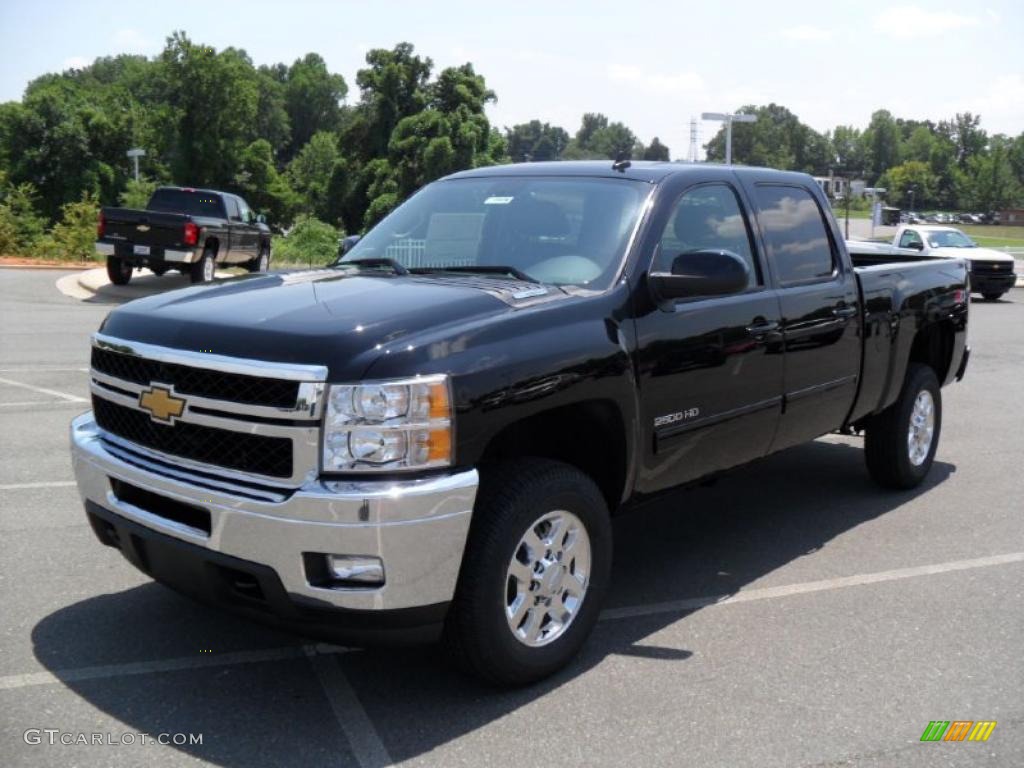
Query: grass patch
995,236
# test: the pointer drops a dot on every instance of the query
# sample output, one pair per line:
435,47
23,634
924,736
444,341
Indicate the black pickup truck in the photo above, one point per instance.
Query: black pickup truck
429,438
190,230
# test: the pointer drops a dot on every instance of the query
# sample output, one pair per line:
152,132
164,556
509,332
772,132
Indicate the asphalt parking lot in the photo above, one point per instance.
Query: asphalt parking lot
789,615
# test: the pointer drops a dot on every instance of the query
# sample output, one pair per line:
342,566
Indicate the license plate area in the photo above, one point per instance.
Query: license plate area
142,250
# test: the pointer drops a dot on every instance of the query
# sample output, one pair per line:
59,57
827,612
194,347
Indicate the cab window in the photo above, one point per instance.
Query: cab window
909,239
795,234
707,218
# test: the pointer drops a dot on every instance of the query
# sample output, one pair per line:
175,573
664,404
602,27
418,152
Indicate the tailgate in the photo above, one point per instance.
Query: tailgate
144,227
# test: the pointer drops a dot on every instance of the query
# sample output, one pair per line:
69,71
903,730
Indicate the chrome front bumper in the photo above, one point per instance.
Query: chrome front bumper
418,528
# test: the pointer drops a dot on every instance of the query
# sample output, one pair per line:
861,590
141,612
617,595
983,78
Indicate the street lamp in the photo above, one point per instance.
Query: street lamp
728,119
135,154
912,189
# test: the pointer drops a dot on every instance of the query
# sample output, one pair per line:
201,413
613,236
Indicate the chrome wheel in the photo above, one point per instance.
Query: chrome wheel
547,578
922,428
208,269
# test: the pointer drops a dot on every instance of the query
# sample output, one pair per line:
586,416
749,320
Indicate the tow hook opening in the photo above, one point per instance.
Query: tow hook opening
332,571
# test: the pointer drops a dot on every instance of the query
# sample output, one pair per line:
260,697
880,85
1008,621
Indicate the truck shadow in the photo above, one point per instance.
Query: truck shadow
712,540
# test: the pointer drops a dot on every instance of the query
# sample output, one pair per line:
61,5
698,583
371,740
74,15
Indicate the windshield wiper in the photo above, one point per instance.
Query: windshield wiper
515,272
391,264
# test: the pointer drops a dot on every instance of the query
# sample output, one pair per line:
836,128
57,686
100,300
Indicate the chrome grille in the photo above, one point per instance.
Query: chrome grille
242,420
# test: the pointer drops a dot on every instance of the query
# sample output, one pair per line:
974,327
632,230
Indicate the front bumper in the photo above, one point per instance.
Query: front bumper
417,528
986,282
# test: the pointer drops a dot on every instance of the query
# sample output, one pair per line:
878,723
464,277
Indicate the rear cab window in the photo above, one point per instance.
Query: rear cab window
795,234
193,202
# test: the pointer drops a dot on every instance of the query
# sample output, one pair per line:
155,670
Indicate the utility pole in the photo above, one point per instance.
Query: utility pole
693,157
135,154
728,119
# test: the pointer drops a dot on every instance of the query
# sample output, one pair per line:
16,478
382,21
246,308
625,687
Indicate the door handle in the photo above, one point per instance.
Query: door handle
844,312
760,330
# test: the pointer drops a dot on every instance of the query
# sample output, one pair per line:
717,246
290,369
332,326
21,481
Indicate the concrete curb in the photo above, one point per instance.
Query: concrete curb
93,284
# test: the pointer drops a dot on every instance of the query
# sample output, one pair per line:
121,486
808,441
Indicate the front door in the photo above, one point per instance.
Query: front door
820,312
710,369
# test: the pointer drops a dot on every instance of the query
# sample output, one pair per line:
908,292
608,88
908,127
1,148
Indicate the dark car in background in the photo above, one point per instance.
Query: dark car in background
184,229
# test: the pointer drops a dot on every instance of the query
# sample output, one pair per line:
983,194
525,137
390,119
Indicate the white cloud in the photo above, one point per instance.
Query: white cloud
656,82
910,21
133,41
75,62
807,32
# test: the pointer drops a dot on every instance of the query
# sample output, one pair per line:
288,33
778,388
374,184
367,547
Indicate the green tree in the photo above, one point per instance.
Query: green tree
848,149
21,227
310,172
73,238
310,242
313,97
535,141
137,193
912,180
266,190
991,180
919,145
881,143
656,151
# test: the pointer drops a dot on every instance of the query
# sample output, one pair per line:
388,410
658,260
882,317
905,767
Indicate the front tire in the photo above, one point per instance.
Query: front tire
534,575
901,441
118,270
204,269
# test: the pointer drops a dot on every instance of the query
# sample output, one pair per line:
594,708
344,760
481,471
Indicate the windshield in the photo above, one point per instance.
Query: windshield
565,231
950,238
192,202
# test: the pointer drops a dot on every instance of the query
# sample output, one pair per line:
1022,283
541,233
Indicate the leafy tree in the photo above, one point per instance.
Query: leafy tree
910,180
656,151
310,172
310,242
73,238
535,141
137,193
881,143
992,182
919,145
848,149
313,99
21,228
266,190
964,131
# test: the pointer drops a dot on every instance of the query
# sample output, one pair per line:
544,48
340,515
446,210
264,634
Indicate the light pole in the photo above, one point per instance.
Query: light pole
728,119
135,154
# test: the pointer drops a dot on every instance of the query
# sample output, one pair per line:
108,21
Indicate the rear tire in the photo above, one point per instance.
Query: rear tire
262,261
992,296
204,269
118,270
522,611
901,441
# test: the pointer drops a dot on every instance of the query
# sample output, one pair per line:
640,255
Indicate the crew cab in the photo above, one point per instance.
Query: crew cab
188,230
991,272
429,438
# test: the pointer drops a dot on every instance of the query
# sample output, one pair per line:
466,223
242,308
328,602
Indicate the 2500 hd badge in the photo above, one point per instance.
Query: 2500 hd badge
428,439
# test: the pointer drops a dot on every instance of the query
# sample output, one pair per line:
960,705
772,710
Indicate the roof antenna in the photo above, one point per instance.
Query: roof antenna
621,163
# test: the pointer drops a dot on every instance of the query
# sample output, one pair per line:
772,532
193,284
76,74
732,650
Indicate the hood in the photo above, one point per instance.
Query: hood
343,320
973,254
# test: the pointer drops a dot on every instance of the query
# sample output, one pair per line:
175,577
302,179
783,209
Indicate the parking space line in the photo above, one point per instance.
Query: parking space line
44,391
49,484
23,403
162,665
43,369
361,734
807,587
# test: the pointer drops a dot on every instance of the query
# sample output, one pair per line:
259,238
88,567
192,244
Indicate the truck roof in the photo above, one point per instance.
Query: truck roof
638,170
202,190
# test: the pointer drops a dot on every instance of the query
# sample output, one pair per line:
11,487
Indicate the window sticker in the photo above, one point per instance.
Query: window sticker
498,200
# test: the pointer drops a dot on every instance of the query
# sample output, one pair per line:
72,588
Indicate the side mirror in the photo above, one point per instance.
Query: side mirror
701,273
261,219
347,244
917,245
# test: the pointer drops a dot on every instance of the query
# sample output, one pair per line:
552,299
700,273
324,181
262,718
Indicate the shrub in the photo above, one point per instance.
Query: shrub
21,228
73,238
137,193
310,241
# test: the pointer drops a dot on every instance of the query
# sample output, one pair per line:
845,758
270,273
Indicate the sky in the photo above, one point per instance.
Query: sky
651,65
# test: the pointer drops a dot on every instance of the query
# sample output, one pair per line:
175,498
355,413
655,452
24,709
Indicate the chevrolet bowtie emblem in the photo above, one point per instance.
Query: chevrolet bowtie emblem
143,228
161,403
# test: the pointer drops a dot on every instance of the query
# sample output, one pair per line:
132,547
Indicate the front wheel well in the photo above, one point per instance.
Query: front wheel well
589,436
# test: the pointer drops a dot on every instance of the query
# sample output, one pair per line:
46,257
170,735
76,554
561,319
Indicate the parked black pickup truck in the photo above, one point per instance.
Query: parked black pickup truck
429,438
190,230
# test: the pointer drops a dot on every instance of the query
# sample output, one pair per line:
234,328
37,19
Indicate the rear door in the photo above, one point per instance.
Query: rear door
249,233
236,228
710,368
820,312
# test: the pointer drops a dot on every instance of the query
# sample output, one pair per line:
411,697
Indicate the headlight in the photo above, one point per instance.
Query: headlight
388,425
